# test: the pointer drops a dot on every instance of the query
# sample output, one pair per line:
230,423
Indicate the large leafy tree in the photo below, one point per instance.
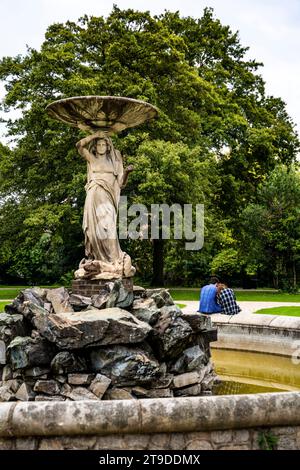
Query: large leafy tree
272,228
210,98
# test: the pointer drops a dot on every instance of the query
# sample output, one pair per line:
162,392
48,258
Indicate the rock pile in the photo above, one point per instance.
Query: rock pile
118,344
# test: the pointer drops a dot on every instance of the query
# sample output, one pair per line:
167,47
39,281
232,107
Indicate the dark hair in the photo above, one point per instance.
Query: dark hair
93,145
214,280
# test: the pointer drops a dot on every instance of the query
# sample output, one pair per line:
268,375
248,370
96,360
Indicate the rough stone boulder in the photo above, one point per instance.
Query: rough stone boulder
91,327
125,365
60,299
198,322
161,297
118,344
66,363
146,310
171,334
191,359
113,294
11,326
80,302
27,352
35,296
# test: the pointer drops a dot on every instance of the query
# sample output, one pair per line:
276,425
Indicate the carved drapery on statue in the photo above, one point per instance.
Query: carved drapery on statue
104,257
105,176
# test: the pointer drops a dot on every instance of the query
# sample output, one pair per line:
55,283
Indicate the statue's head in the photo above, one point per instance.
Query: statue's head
101,146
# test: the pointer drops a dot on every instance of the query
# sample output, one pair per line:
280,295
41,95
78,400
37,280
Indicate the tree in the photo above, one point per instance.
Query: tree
272,227
209,97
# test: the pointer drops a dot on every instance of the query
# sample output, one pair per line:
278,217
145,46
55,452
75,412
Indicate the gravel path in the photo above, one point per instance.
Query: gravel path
246,306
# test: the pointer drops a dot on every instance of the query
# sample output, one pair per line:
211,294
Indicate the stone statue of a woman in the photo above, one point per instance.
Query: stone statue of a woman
105,179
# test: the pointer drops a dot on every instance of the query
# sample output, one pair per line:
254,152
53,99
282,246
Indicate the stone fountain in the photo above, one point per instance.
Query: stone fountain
105,338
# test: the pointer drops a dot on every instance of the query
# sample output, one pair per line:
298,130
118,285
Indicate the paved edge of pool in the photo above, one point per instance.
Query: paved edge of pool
272,334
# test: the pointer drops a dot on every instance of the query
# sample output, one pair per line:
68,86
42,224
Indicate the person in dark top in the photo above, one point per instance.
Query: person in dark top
226,299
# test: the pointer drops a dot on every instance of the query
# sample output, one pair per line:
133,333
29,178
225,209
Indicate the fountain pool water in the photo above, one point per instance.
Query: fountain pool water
251,372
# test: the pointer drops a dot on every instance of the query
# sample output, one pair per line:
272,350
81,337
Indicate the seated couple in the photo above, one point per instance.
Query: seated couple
217,297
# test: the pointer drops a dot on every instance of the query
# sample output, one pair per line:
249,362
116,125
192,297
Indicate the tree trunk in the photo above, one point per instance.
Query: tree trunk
158,263
294,275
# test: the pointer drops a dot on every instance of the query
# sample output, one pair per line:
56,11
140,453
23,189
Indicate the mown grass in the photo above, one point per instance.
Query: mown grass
194,294
286,311
2,305
9,293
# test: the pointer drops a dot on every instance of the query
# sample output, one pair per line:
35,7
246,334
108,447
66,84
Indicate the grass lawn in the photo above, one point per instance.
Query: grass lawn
288,311
193,294
2,305
9,293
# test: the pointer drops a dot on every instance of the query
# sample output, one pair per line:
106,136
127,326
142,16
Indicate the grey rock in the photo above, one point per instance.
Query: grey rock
210,335
91,328
2,352
99,300
162,381
193,390
49,398
66,390
5,393
80,379
13,384
11,326
120,296
61,378
31,310
25,393
79,394
59,299
171,334
161,297
7,373
125,364
65,362
145,309
79,302
17,374
189,378
191,359
49,387
48,307
117,394
197,321
208,382
141,392
99,385
34,296
36,371
113,294
26,352
138,291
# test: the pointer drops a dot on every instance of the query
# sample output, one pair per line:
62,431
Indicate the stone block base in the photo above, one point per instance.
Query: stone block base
88,287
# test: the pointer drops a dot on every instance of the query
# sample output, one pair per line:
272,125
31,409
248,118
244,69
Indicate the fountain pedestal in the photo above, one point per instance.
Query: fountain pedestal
89,287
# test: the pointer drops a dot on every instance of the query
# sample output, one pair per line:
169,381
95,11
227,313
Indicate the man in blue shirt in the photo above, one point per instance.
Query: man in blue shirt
208,298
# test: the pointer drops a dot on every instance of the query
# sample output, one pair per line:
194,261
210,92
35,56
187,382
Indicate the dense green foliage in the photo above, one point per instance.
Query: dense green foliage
217,138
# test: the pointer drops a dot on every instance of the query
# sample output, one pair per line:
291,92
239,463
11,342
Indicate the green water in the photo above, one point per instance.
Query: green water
251,372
